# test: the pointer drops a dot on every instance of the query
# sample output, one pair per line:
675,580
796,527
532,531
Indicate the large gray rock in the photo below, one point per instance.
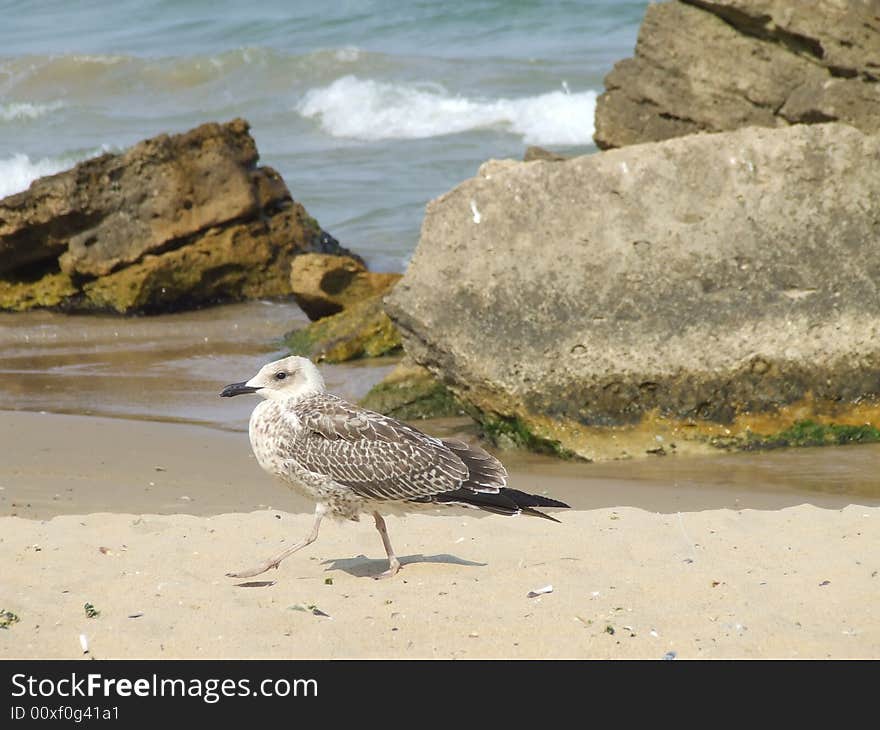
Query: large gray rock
715,65
695,287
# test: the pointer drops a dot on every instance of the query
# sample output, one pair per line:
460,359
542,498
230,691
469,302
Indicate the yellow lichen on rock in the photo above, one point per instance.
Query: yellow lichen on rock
48,291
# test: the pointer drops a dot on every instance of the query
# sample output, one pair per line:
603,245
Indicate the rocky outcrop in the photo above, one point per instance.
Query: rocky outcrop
243,261
175,221
533,153
716,65
360,330
410,392
346,302
651,298
324,284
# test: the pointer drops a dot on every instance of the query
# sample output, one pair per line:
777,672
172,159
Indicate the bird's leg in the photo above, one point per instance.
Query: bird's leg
393,562
273,562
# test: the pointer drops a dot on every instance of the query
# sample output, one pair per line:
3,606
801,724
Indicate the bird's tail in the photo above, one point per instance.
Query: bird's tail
505,501
526,502
485,487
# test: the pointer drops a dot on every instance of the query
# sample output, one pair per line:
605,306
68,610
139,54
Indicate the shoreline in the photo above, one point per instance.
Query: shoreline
69,464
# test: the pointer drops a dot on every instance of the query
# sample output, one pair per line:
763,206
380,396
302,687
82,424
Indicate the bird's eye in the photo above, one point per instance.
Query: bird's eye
280,376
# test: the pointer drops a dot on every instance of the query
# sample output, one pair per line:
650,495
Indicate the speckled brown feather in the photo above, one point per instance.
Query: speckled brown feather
375,456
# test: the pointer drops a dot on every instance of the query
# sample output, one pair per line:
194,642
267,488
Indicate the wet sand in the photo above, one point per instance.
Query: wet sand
167,368
143,519
61,464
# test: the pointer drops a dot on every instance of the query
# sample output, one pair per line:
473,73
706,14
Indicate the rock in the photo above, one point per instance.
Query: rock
325,284
244,261
411,392
49,290
360,330
346,299
110,210
658,295
174,221
539,153
715,65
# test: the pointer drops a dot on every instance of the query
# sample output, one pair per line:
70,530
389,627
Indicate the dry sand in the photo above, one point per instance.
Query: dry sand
628,582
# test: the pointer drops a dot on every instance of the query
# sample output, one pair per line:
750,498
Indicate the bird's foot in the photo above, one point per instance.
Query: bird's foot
250,573
393,567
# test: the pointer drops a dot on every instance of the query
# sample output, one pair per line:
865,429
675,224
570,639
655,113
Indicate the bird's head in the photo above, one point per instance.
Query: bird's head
292,377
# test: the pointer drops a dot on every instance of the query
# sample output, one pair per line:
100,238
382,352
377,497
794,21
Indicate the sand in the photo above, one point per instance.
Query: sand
627,582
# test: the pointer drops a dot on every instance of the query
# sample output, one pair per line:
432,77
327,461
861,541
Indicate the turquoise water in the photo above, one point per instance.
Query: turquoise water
368,109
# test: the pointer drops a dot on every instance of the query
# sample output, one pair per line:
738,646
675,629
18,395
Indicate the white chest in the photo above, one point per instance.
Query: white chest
271,430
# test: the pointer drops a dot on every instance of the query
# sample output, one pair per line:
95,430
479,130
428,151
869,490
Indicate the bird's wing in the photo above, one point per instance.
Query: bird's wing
374,455
485,473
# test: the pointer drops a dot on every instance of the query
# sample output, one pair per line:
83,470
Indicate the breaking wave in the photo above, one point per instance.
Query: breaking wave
374,110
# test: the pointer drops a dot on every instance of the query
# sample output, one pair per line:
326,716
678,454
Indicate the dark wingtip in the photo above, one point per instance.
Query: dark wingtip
527,502
524,499
536,513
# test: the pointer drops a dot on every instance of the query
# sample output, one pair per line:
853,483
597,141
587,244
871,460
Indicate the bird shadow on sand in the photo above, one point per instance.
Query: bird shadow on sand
364,567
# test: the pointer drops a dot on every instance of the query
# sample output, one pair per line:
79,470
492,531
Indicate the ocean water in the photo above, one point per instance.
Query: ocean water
369,109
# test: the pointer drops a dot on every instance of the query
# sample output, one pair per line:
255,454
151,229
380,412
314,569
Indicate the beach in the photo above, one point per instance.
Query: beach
793,576
695,302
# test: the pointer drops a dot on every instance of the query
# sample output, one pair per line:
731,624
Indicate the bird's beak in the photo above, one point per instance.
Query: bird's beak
237,389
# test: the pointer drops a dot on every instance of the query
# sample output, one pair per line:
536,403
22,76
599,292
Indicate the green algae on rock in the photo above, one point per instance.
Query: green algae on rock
361,330
802,433
513,432
410,392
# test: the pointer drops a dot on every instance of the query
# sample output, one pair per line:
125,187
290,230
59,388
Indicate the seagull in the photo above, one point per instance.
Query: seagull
353,461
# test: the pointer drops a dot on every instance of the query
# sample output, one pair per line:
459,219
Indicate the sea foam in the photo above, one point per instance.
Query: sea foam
18,110
373,110
17,172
